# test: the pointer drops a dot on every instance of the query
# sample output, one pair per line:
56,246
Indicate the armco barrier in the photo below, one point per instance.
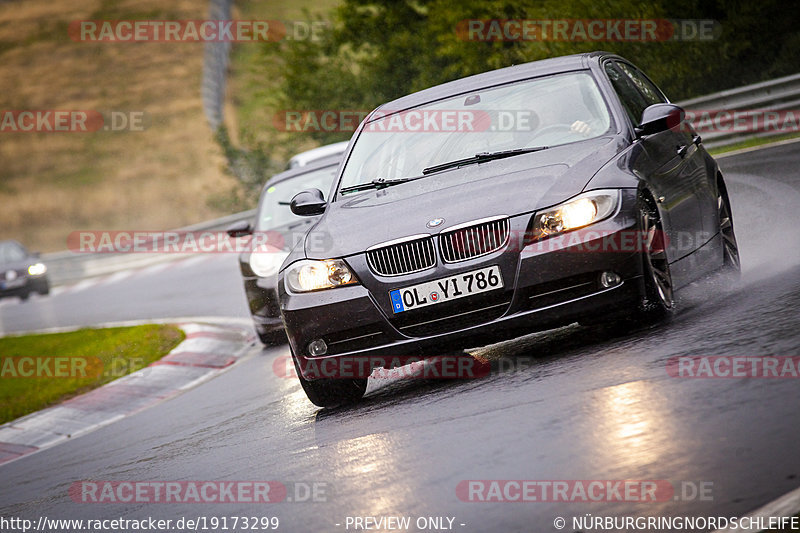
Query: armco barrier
68,266
781,94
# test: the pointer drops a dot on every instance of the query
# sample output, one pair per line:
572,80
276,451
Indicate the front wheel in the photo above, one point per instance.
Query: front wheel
331,392
730,249
657,303
44,288
271,338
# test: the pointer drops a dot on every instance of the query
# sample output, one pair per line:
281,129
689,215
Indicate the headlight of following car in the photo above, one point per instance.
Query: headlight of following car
266,263
37,269
581,211
308,275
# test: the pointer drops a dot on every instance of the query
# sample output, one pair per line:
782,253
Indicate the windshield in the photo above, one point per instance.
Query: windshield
546,111
11,252
274,210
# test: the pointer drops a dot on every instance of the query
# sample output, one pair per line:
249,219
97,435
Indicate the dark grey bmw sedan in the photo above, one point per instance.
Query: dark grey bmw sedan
522,199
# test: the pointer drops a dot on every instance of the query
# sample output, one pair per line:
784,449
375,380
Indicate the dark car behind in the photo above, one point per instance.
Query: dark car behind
277,230
21,272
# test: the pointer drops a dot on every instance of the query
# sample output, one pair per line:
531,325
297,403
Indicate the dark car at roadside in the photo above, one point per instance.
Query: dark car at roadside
275,231
21,272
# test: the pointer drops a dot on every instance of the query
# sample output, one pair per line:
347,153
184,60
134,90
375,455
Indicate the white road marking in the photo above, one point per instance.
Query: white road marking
113,278
83,285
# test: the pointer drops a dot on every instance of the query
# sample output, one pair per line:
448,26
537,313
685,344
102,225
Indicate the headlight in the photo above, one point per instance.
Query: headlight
581,211
37,269
266,263
305,276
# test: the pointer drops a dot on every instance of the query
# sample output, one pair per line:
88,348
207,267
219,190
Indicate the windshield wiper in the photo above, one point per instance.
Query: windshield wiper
377,183
382,183
481,157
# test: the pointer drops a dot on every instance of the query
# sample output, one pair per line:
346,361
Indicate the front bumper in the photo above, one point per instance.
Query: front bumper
262,299
546,284
24,285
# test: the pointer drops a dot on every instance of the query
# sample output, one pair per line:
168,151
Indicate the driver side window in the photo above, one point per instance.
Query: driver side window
651,93
632,100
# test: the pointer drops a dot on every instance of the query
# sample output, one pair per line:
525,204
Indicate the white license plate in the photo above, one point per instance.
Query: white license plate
446,289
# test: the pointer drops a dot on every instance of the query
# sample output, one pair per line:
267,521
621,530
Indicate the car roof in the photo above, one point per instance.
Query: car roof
493,78
320,152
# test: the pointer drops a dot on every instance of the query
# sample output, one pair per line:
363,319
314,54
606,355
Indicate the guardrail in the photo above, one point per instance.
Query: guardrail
746,105
67,267
775,95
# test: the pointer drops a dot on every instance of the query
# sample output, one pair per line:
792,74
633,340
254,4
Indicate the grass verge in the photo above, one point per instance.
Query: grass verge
40,370
752,143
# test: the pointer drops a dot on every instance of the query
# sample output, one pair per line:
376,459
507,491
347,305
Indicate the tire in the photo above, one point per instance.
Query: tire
658,301
731,266
23,297
272,338
331,392
44,290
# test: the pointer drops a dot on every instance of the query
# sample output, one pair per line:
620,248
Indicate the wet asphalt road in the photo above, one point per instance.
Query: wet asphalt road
571,404
203,285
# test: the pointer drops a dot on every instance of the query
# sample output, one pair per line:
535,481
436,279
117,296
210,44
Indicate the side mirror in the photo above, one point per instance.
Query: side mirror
308,203
660,117
239,229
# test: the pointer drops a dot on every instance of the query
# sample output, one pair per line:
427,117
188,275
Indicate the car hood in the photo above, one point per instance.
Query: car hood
18,265
285,237
511,186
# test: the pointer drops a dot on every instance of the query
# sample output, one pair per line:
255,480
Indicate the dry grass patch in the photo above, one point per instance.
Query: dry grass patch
54,183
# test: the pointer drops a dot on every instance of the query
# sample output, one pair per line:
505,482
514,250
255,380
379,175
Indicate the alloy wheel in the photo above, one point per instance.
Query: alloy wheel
730,248
659,279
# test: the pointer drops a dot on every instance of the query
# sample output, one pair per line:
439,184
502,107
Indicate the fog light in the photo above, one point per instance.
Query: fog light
610,279
317,347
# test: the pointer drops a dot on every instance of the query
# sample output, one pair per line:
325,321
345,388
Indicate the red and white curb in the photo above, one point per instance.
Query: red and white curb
207,350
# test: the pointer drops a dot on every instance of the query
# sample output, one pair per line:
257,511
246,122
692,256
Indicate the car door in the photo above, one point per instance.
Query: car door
694,170
668,176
